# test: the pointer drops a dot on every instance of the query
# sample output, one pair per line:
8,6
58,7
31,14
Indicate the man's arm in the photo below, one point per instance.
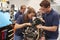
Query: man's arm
53,28
55,24
50,28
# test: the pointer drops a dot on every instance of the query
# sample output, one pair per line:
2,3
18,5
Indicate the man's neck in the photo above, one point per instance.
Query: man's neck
21,11
49,10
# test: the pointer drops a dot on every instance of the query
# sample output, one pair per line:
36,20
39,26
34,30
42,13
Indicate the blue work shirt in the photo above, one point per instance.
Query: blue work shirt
20,20
51,19
17,14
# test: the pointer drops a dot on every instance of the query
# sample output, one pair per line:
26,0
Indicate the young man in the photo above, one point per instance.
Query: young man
51,18
20,12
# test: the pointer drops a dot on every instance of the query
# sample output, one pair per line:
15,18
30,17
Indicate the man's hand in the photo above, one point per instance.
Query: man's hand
42,19
50,28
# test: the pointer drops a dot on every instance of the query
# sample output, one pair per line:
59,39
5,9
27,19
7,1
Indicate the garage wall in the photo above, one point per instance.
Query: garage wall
33,3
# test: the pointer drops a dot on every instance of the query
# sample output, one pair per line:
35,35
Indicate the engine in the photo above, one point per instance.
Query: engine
32,33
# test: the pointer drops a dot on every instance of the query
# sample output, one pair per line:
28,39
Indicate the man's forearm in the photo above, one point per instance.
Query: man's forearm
53,28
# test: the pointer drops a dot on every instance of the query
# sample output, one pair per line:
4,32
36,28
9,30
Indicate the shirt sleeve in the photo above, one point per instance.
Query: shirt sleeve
55,20
16,16
19,20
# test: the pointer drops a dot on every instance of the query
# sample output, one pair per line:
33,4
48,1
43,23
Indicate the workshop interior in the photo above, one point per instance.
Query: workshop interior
21,19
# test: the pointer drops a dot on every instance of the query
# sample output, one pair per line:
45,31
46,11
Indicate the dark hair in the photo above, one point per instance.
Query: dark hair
45,3
26,19
22,6
7,2
12,6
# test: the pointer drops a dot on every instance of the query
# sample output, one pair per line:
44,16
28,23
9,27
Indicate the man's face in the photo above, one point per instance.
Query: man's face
44,10
23,9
